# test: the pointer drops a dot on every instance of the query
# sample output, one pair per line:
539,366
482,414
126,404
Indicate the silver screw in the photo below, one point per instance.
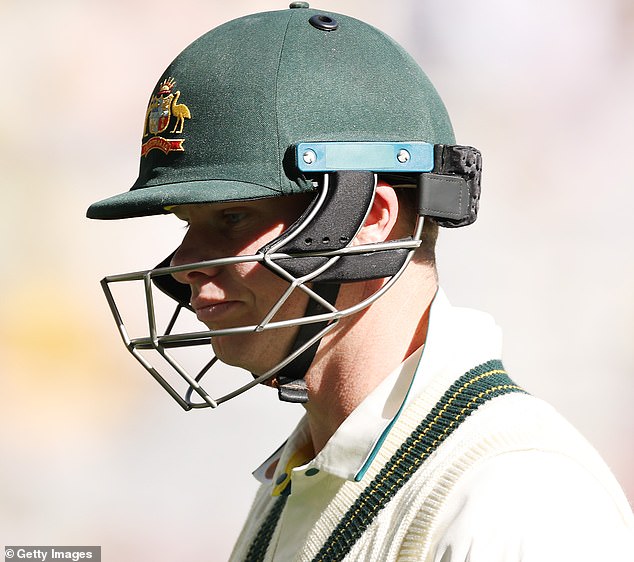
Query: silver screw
403,156
309,157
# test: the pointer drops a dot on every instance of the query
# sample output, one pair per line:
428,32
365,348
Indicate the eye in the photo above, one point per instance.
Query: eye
233,218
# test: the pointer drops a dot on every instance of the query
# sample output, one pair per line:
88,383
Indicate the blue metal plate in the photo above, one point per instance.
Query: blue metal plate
371,156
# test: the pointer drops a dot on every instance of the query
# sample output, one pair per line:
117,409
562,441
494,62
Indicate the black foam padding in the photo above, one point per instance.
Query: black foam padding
464,162
349,197
341,215
353,267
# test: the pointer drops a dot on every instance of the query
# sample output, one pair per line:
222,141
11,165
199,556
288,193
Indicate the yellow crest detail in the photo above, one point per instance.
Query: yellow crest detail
161,111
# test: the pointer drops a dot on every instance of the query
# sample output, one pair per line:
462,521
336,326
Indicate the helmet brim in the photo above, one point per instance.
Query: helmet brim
157,200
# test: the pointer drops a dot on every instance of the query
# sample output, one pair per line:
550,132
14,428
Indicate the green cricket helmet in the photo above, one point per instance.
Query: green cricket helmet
288,102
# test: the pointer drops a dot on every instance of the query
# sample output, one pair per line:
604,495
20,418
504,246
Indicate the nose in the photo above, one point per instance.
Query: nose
192,251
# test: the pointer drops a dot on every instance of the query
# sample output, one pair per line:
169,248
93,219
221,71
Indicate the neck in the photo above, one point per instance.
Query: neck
364,349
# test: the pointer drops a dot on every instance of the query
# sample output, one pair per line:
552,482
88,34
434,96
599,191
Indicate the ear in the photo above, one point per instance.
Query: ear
382,216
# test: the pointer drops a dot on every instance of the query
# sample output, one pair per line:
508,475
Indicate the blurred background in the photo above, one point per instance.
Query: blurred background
93,451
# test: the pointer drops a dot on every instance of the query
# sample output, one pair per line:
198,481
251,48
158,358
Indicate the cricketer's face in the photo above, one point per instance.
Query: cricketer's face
241,294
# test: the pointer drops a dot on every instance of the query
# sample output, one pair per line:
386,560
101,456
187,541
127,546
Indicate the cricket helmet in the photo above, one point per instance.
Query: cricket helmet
281,103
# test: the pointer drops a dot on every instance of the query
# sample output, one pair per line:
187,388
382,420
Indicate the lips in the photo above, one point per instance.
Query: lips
213,311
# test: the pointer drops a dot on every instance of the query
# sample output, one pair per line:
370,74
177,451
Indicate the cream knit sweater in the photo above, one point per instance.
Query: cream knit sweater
572,509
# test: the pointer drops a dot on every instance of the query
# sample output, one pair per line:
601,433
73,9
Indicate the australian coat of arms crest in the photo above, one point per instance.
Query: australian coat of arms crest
164,111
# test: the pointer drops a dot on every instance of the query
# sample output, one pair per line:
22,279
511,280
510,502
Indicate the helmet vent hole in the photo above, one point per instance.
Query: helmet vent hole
308,241
323,23
325,240
344,239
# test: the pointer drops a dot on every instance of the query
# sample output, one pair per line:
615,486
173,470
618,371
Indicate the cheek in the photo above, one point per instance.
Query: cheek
225,245
265,285
267,288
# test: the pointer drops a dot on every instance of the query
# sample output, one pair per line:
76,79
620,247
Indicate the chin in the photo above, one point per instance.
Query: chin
239,351
256,353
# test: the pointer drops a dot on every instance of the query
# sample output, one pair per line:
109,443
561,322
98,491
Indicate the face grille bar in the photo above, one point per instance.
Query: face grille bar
162,342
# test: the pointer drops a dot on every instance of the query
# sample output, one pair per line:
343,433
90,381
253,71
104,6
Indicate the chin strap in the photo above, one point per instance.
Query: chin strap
348,197
291,385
